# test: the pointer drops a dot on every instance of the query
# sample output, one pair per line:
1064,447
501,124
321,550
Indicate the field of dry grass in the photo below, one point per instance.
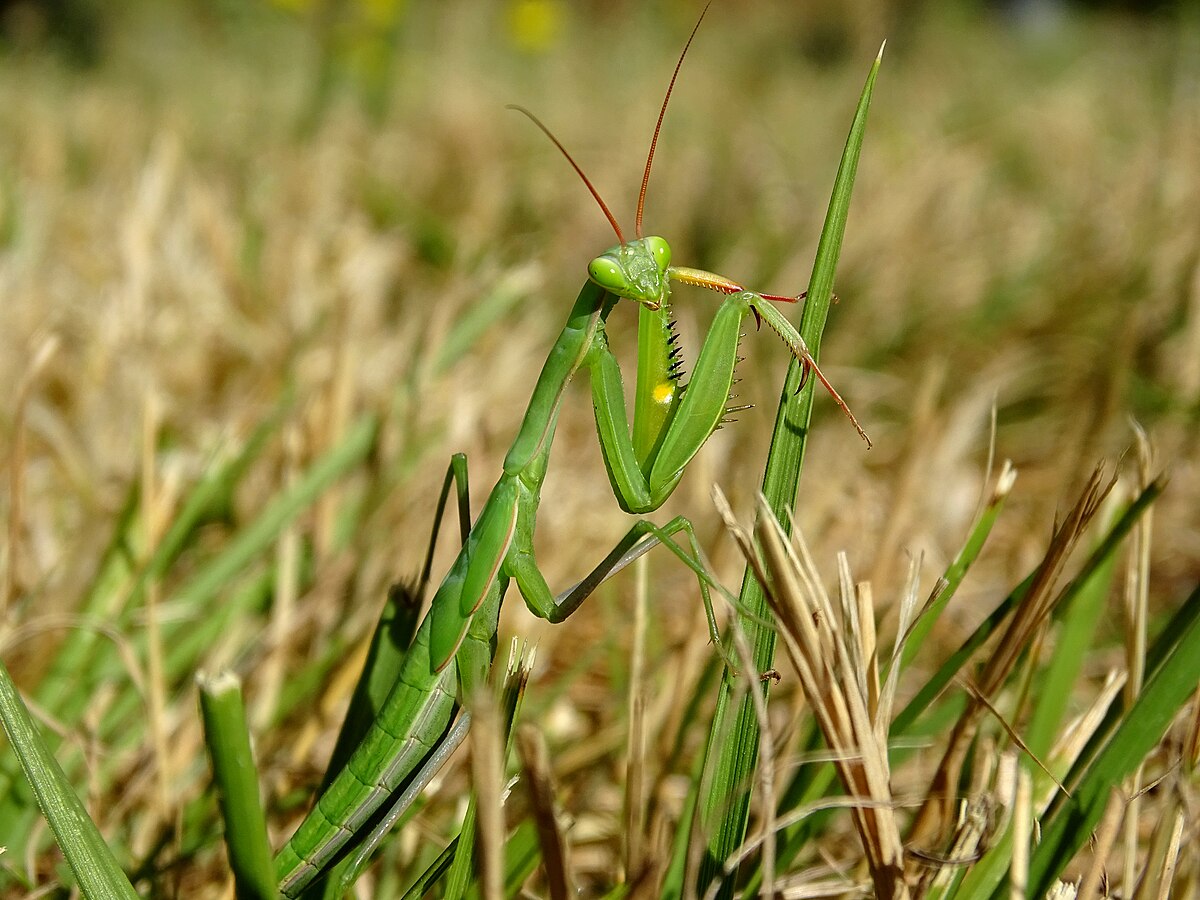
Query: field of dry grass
187,249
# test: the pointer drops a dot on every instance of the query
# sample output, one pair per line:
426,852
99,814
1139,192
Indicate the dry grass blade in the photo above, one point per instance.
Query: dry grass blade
910,612
935,814
539,784
1137,607
1022,835
836,684
1076,735
487,773
980,698
1166,875
1106,835
1192,746
992,806
47,347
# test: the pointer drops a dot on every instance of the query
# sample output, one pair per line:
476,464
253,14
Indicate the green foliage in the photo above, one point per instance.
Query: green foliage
391,273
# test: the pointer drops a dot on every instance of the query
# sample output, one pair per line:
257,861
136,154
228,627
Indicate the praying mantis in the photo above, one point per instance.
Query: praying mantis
452,650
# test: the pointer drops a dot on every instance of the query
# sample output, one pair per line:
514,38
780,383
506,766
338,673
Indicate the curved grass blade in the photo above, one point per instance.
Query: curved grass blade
96,869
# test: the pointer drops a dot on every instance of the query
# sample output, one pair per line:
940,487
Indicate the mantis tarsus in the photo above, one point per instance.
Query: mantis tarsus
452,650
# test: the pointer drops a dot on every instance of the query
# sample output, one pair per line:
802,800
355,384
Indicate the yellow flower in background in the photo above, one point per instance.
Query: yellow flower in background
381,13
293,6
534,25
372,13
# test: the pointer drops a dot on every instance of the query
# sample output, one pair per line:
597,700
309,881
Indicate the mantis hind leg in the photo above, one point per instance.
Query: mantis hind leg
642,537
396,628
456,474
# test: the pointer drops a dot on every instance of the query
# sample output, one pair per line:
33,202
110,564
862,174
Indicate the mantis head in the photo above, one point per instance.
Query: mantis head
637,270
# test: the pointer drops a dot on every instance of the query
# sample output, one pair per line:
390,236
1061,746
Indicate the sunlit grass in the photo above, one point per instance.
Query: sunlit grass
207,253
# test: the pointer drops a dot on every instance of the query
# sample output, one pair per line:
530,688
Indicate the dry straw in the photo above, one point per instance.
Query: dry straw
833,649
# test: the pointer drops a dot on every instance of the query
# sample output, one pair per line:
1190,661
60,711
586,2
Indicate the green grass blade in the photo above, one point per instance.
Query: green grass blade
60,684
111,593
260,534
96,869
186,640
1117,749
734,736
521,856
1056,684
103,599
228,739
957,570
432,875
934,687
213,580
478,318
522,853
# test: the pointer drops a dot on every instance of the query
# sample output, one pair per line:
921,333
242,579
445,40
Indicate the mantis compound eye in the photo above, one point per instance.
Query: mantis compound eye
610,276
661,251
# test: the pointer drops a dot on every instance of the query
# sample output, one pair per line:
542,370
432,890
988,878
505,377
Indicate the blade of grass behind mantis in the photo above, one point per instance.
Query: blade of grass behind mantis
85,658
732,753
191,637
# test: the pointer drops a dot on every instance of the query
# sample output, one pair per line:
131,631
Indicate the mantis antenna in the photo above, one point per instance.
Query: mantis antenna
661,114
563,150
714,283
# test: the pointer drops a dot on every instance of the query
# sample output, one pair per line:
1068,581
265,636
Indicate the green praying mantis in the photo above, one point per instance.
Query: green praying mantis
452,651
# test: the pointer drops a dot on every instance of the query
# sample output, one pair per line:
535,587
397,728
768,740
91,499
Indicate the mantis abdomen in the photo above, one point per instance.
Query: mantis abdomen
412,722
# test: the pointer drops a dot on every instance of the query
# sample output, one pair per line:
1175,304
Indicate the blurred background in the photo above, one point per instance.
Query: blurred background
206,207
208,201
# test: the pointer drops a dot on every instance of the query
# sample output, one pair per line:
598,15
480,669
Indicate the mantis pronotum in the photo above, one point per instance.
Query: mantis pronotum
453,647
